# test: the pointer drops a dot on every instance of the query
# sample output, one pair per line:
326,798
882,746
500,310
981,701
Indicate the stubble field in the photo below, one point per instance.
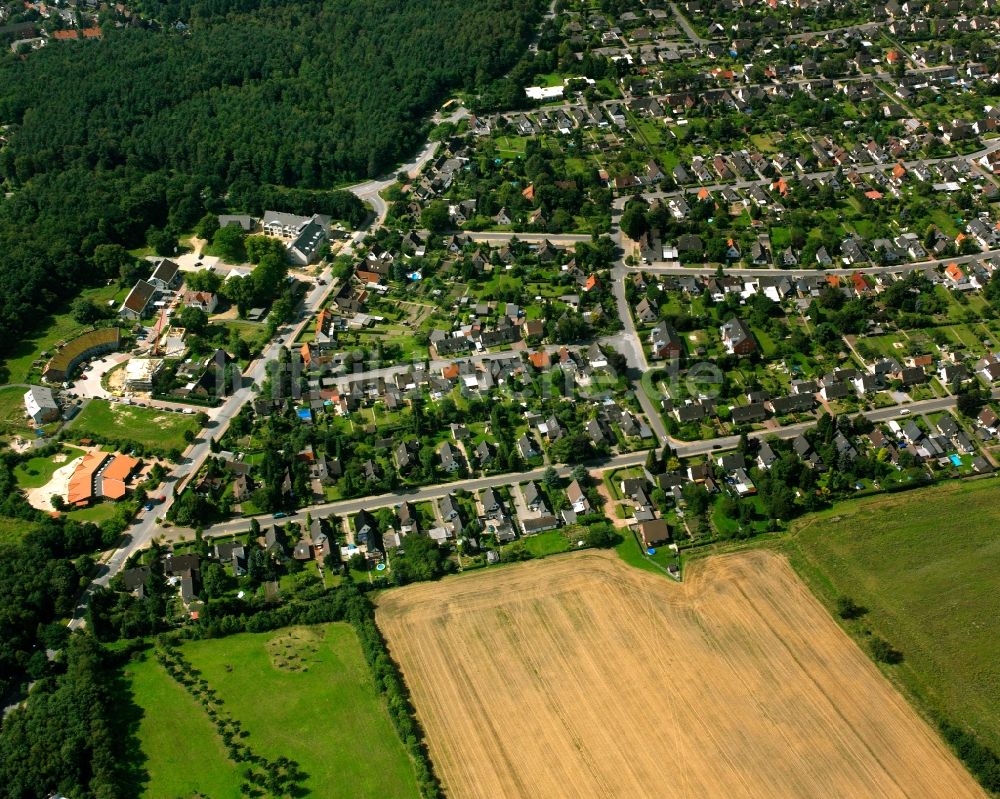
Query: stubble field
578,676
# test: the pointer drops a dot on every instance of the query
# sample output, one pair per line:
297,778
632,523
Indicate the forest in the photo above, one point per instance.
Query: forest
115,140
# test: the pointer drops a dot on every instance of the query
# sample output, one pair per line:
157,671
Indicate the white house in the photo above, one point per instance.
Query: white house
203,300
41,405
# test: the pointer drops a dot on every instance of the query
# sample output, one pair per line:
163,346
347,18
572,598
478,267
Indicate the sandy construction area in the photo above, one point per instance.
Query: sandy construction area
579,676
41,498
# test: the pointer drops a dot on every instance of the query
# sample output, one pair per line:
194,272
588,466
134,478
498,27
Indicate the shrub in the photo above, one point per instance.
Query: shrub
883,651
847,608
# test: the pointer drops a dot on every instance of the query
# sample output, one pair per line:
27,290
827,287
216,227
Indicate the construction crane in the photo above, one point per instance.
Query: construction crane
158,331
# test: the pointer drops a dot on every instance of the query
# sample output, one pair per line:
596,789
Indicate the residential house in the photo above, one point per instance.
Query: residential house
41,405
738,338
526,447
665,342
205,301
577,498
137,302
166,275
534,500
448,460
645,311
654,533
407,519
448,509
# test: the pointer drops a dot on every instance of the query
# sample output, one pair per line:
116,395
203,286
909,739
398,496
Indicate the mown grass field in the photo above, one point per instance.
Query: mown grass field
924,564
36,472
183,754
149,427
304,693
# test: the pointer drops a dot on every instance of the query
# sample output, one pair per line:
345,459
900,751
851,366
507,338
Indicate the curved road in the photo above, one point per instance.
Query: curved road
146,528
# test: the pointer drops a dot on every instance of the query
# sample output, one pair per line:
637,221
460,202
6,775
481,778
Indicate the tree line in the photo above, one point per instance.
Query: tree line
256,105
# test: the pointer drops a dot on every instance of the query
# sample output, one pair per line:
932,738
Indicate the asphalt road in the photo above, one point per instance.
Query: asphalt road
502,237
689,449
350,506
864,169
370,190
686,26
682,449
146,527
661,268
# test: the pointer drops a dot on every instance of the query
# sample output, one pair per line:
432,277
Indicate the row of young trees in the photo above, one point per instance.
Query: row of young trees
345,603
263,776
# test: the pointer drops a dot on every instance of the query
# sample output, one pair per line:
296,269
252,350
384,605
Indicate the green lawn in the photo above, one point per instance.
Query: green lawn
925,565
98,513
61,326
12,411
149,427
183,754
548,543
37,472
767,346
304,693
630,551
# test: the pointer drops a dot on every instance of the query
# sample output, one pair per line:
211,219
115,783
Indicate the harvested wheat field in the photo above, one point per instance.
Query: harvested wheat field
579,676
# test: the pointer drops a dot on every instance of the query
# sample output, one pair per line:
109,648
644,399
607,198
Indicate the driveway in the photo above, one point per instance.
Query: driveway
88,384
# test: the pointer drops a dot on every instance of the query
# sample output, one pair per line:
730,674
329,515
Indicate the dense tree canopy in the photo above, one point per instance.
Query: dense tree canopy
131,139
303,94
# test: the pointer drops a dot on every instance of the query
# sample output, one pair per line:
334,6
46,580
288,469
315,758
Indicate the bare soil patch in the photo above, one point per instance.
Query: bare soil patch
578,676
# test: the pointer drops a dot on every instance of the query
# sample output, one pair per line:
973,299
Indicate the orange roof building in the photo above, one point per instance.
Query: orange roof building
540,359
368,277
322,319
954,272
861,283
120,468
100,475
81,483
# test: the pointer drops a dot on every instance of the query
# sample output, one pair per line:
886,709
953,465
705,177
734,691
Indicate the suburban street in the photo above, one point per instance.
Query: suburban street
349,506
626,342
146,527
682,449
865,169
558,239
661,268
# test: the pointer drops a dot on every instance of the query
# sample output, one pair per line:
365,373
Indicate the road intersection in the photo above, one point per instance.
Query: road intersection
149,525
